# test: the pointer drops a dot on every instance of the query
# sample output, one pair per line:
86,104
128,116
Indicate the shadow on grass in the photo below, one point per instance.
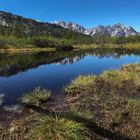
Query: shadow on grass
92,126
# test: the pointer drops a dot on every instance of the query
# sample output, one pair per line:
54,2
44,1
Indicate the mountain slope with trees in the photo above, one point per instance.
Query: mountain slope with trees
22,27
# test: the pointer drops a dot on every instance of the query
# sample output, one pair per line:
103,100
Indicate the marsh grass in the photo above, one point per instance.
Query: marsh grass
79,84
16,130
133,105
112,98
36,97
57,128
131,68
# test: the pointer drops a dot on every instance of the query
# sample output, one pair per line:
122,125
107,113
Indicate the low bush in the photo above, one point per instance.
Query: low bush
64,47
41,43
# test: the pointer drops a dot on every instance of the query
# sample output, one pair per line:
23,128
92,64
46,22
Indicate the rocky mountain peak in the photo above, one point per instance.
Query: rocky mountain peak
114,30
71,26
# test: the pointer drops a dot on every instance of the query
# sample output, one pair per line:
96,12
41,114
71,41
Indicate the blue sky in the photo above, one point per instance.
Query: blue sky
88,13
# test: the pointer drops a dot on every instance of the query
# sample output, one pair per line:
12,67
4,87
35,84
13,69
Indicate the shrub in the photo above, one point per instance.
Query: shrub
41,43
44,42
64,47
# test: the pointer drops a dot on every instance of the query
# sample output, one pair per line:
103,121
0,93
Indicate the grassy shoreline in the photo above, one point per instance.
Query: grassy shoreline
111,99
26,50
30,49
130,46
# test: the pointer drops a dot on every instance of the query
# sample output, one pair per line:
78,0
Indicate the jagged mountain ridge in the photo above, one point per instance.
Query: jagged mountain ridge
71,25
114,30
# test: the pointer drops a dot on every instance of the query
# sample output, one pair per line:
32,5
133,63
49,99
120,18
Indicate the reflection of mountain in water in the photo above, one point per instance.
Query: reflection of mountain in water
70,60
13,64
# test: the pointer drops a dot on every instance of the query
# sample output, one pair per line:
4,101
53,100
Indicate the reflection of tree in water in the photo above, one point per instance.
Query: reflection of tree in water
13,64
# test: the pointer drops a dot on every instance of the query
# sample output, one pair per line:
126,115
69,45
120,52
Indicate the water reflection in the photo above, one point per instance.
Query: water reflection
21,73
13,64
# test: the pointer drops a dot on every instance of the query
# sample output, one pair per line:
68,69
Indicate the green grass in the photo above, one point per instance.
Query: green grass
80,84
78,41
47,128
36,96
112,99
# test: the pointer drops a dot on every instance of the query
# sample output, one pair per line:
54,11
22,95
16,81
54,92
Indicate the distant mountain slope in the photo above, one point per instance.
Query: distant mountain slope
17,25
29,26
115,30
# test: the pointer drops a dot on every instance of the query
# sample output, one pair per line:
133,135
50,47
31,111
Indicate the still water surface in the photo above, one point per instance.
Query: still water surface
23,72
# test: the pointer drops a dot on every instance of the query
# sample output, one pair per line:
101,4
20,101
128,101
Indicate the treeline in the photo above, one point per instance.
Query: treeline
44,30
50,35
31,42
101,40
